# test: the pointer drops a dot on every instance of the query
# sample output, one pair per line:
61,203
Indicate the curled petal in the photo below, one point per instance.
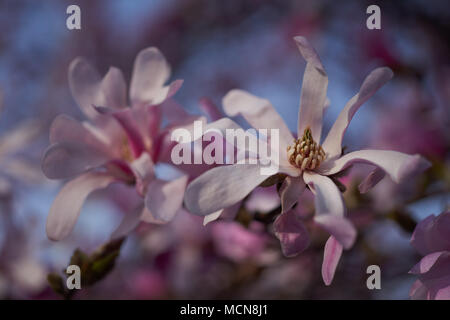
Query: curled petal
67,205
398,165
290,191
164,198
222,187
371,180
314,91
151,71
331,256
339,227
327,198
374,81
66,160
258,112
291,232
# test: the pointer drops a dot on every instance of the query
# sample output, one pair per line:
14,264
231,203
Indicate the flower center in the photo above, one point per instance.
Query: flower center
305,153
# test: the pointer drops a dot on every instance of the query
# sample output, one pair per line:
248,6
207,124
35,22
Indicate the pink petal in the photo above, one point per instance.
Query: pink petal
173,111
66,160
144,171
258,112
67,205
327,197
222,187
314,91
331,256
375,80
432,234
165,198
427,262
151,71
290,192
114,89
85,85
129,222
398,165
263,199
340,228
371,180
291,232
66,129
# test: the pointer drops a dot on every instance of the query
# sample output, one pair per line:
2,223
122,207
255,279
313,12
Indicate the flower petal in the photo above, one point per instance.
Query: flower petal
144,171
66,129
227,213
222,187
129,222
151,71
85,85
371,180
165,198
66,160
432,234
314,91
339,227
67,205
290,191
375,80
327,197
331,256
427,262
291,232
114,89
398,165
258,112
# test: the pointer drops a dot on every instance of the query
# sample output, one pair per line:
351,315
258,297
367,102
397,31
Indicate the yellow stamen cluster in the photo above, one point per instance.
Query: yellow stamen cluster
305,153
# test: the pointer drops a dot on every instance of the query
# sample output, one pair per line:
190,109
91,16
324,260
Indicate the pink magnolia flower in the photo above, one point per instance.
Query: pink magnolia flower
121,142
304,162
432,239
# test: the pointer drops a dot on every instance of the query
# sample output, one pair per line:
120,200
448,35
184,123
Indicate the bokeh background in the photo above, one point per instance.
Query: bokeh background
216,46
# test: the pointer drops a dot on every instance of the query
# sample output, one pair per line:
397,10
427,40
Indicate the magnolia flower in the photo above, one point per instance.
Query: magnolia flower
121,142
304,161
432,239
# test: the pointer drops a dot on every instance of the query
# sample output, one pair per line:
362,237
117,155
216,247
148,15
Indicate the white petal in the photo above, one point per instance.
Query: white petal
314,91
258,112
114,89
398,165
151,71
339,227
165,198
327,197
67,205
375,80
222,187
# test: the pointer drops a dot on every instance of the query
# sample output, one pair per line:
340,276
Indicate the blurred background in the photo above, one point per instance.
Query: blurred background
216,46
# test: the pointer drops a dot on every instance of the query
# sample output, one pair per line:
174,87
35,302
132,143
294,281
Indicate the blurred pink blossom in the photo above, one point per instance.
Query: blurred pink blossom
431,238
121,142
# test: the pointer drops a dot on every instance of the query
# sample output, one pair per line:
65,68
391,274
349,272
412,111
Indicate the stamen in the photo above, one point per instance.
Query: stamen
305,153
